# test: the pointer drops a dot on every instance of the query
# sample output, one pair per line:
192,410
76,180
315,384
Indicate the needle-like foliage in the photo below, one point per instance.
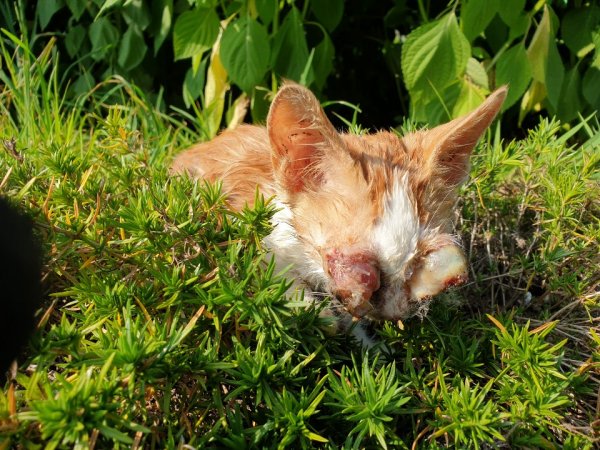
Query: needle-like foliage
165,325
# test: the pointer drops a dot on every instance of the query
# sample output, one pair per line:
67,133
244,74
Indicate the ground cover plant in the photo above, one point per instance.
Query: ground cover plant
165,327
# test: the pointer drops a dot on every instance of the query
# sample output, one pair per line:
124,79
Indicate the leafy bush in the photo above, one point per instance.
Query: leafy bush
450,66
165,326
224,57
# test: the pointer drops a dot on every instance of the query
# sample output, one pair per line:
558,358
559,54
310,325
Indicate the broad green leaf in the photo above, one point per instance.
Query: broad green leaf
195,32
323,61
434,55
470,97
215,89
436,110
546,65
577,26
107,5
132,48
511,10
532,98
46,9
513,69
555,74
590,87
83,84
538,48
477,74
245,52
266,10
194,83
259,104
570,104
77,7
475,16
162,16
513,14
137,13
74,39
290,50
328,12
104,37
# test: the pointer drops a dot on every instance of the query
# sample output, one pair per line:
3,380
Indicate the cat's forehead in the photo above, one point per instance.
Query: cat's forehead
396,231
383,147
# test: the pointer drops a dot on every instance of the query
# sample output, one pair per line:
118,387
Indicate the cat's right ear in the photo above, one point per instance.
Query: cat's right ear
300,134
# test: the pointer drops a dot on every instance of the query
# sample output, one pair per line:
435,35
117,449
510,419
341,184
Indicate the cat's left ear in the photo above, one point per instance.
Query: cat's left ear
300,135
449,146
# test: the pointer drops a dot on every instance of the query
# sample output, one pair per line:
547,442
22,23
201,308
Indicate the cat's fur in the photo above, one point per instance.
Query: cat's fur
363,218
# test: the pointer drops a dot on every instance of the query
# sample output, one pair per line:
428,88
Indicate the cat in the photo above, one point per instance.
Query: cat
364,219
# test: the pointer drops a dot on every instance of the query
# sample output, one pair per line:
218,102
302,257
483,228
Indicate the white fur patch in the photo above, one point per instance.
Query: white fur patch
283,242
396,233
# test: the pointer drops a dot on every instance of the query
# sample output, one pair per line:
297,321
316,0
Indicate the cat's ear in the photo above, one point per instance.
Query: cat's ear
300,134
449,146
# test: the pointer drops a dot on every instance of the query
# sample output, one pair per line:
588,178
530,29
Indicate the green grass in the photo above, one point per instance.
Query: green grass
165,327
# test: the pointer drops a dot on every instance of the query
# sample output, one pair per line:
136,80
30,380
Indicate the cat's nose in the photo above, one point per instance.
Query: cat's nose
355,277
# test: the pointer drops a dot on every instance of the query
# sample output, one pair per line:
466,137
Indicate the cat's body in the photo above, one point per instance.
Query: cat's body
363,218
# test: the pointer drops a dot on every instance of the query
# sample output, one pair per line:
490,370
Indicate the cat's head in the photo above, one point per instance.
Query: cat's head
374,211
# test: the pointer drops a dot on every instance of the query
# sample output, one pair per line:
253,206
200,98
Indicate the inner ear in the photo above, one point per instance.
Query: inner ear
448,147
300,136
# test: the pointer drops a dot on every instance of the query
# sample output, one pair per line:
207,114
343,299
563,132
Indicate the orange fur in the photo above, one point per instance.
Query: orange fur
377,204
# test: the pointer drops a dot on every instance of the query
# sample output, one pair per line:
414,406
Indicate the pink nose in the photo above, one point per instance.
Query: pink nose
355,278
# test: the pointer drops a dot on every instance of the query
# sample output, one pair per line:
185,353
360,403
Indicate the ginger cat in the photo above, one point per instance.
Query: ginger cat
366,220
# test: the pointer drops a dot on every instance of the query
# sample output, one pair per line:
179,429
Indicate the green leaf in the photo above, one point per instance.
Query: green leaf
84,83
590,90
513,69
215,88
555,73
46,9
475,16
137,13
513,14
538,48
329,12
245,52
107,5
477,74
193,83
323,61
511,10
77,7
132,49
290,50
162,16
74,39
570,102
596,40
577,27
104,36
195,32
439,108
470,97
434,55
266,10
546,66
